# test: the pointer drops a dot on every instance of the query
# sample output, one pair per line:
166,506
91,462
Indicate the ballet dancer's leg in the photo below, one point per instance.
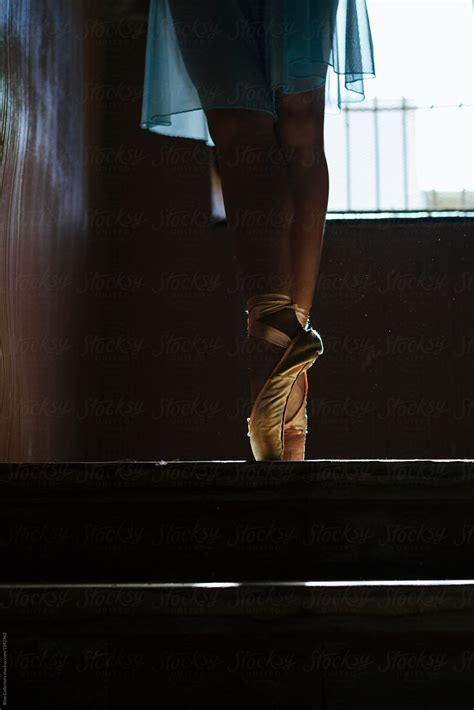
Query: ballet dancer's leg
300,129
254,173
259,209
257,197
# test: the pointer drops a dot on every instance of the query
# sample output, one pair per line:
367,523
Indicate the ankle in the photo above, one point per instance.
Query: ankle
285,320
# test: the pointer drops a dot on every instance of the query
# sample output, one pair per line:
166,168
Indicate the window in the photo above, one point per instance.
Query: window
408,147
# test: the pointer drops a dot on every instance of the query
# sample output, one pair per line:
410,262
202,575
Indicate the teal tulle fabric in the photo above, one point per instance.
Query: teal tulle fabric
236,53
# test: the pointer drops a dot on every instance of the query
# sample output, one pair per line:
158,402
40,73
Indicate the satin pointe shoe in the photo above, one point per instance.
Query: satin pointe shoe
267,417
296,427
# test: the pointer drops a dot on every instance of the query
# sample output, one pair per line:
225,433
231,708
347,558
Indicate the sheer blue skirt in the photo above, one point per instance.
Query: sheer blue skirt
236,53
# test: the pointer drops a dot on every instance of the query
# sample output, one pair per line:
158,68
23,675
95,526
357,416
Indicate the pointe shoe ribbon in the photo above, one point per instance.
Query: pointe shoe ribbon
298,423
296,427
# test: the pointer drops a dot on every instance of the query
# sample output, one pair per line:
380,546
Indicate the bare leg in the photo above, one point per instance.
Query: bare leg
300,129
259,208
257,196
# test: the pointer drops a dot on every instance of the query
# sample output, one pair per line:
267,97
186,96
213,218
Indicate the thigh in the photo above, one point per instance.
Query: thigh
228,127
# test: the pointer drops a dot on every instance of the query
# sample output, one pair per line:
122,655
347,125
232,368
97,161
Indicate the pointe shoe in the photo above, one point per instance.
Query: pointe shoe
296,427
267,418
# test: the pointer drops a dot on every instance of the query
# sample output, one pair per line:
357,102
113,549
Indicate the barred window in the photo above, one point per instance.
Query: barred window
408,147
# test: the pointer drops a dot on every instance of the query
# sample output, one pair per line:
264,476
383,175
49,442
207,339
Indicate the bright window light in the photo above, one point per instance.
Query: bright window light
420,157
424,51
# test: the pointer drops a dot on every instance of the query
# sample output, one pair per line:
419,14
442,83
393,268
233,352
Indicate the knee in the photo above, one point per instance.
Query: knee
300,126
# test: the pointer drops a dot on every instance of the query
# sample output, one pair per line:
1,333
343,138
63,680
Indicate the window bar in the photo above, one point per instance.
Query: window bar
405,150
377,154
348,159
